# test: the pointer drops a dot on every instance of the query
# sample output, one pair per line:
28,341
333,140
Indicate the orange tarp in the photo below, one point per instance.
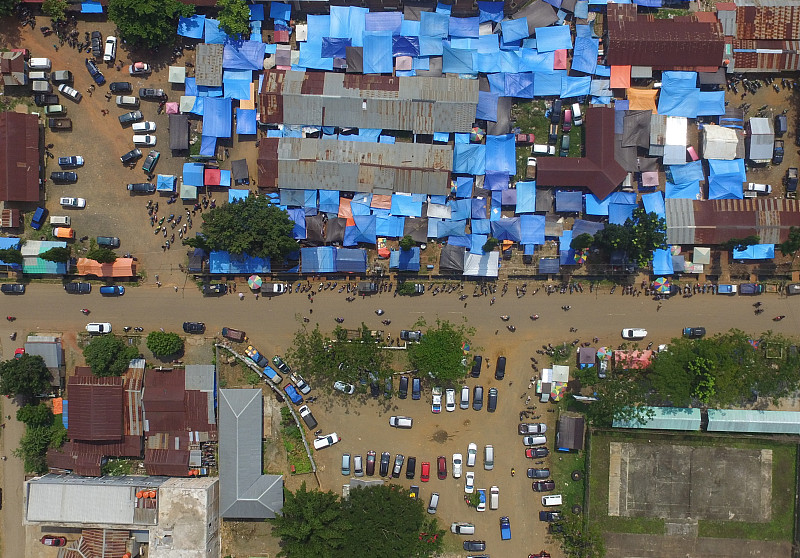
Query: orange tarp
642,99
381,201
620,77
64,232
249,103
346,212
122,267
58,406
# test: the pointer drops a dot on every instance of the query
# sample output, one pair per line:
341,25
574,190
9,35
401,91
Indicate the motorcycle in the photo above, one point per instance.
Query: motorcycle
11,318
386,322
505,318
379,312
85,311
535,317
778,318
339,320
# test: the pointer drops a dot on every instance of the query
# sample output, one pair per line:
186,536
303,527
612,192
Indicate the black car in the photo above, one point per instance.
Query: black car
492,403
44,99
475,545
108,241
370,463
142,187
398,465
555,112
131,156
384,466
543,486
194,327
411,467
538,473
64,177
120,87
78,288
97,44
374,389
215,289
500,369
477,398
416,389
477,364
694,332
147,93
12,288
130,117
95,72
403,390
549,516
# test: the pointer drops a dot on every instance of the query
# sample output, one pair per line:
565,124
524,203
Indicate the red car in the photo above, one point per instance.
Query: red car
536,453
50,540
425,474
441,463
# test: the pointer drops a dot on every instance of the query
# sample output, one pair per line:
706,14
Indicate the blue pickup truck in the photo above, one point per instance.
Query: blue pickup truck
505,528
38,218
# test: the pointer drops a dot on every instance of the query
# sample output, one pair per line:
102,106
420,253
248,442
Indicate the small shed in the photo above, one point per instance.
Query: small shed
761,139
177,74
241,173
570,433
586,357
178,131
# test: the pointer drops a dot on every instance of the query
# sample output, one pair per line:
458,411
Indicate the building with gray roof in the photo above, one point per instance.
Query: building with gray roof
245,493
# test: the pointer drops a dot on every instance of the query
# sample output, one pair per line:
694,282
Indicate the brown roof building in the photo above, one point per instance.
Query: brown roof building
19,157
598,170
777,21
12,67
95,408
682,43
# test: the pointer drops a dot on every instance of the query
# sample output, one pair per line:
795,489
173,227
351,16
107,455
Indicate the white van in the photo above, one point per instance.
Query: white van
434,503
127,101
488,457
401,422
494,499
60,221
552,500
41,86
577,116
543,149
39,75
39,64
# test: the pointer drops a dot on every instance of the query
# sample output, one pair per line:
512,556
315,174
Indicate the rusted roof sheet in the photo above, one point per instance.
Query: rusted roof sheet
766,55
268,163
641,40
95,408
84,464
170,463
768,21
103,543
19,157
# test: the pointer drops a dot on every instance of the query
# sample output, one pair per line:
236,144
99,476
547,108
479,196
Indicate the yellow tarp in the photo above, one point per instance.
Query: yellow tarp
642,99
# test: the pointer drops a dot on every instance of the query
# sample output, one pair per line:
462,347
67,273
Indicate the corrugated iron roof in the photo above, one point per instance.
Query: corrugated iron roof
95,408
727,18
768,20
208,67
170,463
764,56
19,157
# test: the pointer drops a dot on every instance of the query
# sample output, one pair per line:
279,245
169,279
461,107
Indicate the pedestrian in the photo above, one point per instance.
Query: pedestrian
158,283
658,307
311,311
176,288
465,305
256,296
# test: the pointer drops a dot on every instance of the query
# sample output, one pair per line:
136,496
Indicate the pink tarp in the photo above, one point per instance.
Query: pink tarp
172,108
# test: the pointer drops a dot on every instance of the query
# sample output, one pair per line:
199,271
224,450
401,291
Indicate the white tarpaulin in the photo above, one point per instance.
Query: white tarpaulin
560,373
719,142
486,265
438,211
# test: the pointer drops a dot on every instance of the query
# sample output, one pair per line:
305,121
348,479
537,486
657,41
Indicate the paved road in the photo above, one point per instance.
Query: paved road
270,323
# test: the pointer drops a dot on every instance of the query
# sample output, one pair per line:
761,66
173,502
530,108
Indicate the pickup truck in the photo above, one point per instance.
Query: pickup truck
505,529
726,289
274,377
777,152
271,289
791,180
255,356
59,123
236,335
751,289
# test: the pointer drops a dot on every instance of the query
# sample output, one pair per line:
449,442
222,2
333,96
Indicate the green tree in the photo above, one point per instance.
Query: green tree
641,234
740,243
148,23
440,352
407,243
621,396
490,244
311,524
580,539
792,244
163,343
11,256
234,17
108,355
102,255
26,376
35,415
33,448
55,9
406,288
254,227
7,8
582,242
57,254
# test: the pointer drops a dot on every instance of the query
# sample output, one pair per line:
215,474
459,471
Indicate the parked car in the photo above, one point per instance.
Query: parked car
434,503
469,482
416,389
322,442
150,162
120,87
68,91
72,202
411,467
477,364
403,389
346,464
450,400
460,528
131,156
127,101
308,417
492,402
777,152
538,473
549,516
39,64
97,44
108,241
475,546
500,368
694,332
634,333
293,394
44,99
370,463
51,540
129,117
760,189
472,454
407,335
481,500
71,162
55,110
358,467
464,404
149,93
194,327
12,288
441,467
436,400
64,177
38,218
398,465
94,71
78,288
536,453
300,383
281,365
564,146
110,52
543,486
143,188
147,140
425,471
112,290
567,124
384,465
781,125
348,389
534,440
401,422
457,465
488,457
555,111
98,328
532,428
139,69
147,126
477,398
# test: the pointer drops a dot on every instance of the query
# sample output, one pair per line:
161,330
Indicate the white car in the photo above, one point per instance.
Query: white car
634,333
111,49
450,400
472,454
98,328
321,442
68,91
436,402
464,397
457,462
301,384
147,140
469,487
348,389
72,202
762,189
144,126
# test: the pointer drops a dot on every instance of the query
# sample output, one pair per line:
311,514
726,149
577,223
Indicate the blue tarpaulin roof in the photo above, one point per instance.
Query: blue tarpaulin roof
490,11
501,154
405,46
618,213
192,27
547,85
404,260
685,191
487,106
679,94
464,27
654,203
464,186
432,24
568,201
329,201
351,260
246,121
311,56
225,263
735,166
515,29
549,266
256,12
460,209
457,61
539,62
580,226
383,22
213,34
193,174
91,8
165,183
506,229
711,103
662,262
237,83
318,260
596,207
689,172
526,197
405,206
584,55
519,85
477,241
389,225
553,38
362,232
243,55
298,215
377,54
217,117
8,243
575,86
755,252
235,195
531,229
450,228
469,158
478,209
279,10
725,187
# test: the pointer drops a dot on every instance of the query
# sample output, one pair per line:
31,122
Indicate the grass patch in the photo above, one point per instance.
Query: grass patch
783,487
293,444
117,467
562,465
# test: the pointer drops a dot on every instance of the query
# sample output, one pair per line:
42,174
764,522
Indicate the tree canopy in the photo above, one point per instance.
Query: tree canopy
253,226
440,352
641,234
108,355
55,9
234,17
11,256
7,6
407,243
315,524
148,23
27,376
163,343
792,244
35,415
58,254
580,539
102,255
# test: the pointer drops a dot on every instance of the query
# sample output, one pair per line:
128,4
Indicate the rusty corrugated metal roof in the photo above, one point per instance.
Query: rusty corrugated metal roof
170,463
95,408
208,66
773,56
19,157
777,22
